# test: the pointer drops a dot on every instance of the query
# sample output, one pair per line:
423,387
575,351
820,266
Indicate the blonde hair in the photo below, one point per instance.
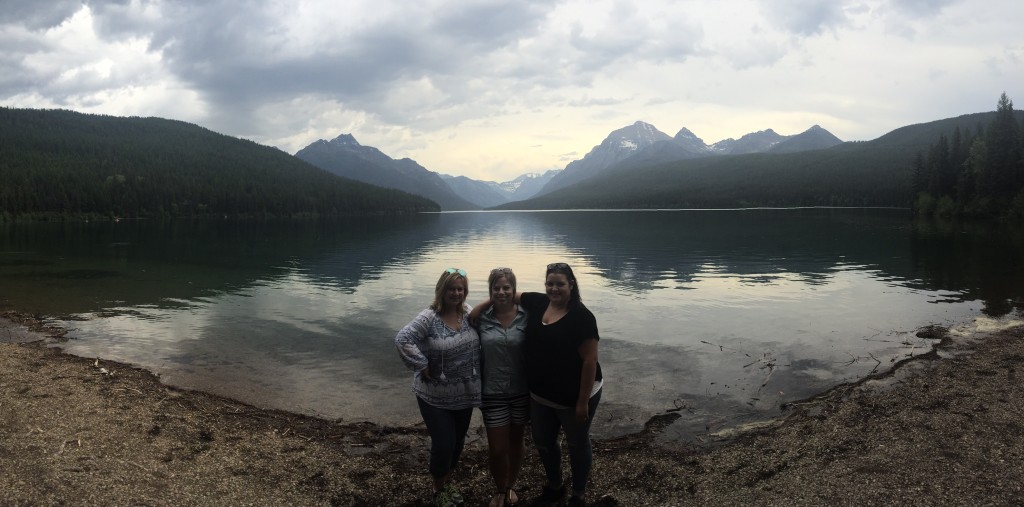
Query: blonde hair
443,283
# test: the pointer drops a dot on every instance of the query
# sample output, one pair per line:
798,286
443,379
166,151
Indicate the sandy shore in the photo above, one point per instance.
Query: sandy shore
943,428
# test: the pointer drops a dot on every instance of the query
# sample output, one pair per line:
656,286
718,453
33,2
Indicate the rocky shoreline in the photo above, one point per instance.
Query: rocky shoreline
944,428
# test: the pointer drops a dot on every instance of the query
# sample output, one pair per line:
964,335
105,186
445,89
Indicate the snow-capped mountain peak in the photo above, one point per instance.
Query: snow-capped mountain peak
345,140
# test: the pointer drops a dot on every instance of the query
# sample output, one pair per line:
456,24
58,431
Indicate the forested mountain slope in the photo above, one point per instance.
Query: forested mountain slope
57,163
871,173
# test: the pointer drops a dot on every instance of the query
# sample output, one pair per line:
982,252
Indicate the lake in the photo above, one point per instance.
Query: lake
719,315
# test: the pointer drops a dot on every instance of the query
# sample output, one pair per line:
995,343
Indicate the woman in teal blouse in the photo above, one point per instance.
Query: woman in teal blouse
506,397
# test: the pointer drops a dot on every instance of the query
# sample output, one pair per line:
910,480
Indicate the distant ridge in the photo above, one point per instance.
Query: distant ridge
642,144
488,194
345,157
484,194
755,142
814,138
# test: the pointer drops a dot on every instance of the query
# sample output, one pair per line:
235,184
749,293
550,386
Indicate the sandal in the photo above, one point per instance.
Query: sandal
497,500
509,495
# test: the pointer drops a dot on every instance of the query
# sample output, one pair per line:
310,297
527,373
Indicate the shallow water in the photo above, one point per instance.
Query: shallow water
721,315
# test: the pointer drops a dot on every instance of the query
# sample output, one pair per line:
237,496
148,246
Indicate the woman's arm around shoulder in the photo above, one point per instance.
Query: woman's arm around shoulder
474,314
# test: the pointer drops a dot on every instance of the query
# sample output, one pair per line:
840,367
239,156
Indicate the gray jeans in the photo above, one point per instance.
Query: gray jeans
546,422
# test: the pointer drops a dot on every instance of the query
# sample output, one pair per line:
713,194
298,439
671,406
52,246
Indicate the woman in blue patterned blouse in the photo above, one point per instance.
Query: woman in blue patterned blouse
443,350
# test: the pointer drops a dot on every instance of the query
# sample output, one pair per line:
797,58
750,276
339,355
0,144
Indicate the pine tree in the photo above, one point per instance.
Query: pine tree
1003,138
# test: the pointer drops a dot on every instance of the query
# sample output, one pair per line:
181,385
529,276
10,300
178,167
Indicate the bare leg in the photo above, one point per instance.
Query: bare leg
498,459
515,457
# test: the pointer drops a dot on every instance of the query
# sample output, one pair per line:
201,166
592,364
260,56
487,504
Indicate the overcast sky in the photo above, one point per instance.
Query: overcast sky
496,88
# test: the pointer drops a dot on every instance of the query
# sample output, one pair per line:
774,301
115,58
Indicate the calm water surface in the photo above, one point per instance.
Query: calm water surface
721,315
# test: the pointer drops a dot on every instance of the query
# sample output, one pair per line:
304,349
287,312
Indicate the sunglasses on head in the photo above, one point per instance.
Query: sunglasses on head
501,270
461,272
557,265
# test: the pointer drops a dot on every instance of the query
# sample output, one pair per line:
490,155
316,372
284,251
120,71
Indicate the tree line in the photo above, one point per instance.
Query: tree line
63,164
977,173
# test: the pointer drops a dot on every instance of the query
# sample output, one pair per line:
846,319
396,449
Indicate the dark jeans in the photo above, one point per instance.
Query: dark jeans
546,422
447,435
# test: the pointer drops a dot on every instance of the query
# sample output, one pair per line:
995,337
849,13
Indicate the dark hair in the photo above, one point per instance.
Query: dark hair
564,269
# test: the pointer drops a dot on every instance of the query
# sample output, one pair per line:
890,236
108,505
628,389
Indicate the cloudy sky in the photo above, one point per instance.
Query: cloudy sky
492,89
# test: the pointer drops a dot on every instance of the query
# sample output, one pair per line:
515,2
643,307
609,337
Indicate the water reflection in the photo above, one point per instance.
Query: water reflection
721,315
637,250
972,260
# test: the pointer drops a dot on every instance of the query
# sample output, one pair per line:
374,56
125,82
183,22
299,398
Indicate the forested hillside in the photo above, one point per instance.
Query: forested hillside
977,173
60,164
870,173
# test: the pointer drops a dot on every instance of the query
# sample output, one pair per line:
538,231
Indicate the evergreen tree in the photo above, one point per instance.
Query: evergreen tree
919,178
1002,178
942,179
977,175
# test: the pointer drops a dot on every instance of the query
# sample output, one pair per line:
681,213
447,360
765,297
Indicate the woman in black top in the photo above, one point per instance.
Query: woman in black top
564,377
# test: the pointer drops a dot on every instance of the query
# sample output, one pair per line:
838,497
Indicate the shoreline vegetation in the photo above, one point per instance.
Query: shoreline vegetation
943,428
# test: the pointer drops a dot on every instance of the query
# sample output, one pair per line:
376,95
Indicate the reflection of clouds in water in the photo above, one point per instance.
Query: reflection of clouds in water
351,373
321,352
266,347
785,312
317,334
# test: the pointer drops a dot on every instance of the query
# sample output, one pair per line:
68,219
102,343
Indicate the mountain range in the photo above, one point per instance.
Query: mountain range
857,174
345,157
637,145
487,194
64,164
642,144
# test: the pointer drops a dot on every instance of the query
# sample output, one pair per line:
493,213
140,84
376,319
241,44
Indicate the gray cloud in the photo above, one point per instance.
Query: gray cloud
33,62
805,17
918,8
36,15
901,17
14,77
239,59
489,24
594,101
628,35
